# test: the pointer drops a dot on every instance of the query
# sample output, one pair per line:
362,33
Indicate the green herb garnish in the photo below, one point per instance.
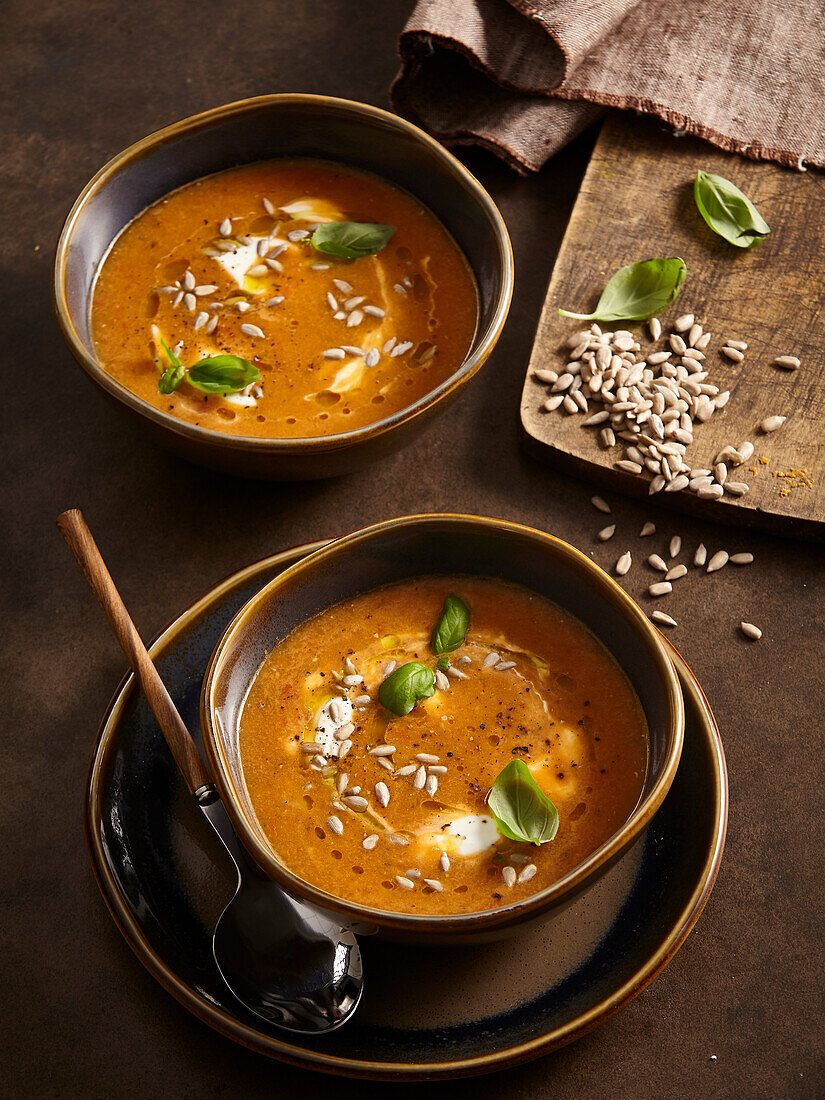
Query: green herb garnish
451,628
638,291
521,809
404,687
728,211
442,664
351,240
223,374
173,375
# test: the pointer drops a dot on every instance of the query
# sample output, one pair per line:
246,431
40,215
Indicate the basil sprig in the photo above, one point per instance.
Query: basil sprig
174,374
728,211
218,374
223,374
451,628
638,291
404,687
351,240
521,809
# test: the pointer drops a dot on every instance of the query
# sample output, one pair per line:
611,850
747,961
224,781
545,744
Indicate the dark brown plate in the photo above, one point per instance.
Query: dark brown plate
427,1013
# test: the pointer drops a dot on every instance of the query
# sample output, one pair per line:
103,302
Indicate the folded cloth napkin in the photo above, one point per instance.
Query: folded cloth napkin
523,77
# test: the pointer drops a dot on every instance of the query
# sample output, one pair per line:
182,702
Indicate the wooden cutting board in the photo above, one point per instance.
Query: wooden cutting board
636,202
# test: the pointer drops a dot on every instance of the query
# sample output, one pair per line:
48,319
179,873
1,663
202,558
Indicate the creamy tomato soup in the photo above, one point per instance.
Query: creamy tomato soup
345,298
391,810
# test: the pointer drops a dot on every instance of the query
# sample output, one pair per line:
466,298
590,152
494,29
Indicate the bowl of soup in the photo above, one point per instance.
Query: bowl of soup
441,727
286,287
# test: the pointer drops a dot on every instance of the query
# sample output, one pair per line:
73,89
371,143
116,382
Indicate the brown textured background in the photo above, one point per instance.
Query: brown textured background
80,1017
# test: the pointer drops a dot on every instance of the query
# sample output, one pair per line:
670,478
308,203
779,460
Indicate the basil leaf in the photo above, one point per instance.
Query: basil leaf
174,375
638,291
728,211
451,628
351,240
403,688
521,809
442,664
223,374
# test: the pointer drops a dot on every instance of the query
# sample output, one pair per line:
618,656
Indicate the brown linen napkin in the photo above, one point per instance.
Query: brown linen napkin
524,78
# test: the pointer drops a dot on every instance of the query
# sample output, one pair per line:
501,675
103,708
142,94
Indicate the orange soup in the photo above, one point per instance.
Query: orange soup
441,745
285,299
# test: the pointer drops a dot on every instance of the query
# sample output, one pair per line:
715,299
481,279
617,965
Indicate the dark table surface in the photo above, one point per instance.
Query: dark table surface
81,1017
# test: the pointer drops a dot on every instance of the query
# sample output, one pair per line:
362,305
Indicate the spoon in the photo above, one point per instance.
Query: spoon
286,961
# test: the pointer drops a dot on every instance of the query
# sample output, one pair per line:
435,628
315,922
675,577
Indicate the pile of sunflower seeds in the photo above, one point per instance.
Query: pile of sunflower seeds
652,402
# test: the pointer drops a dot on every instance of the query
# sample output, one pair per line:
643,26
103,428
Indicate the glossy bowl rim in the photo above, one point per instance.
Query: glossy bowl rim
480,349
455,924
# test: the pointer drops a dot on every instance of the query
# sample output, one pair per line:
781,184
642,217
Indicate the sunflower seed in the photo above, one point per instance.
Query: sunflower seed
297,235
750,631
771,423
456,674
741,559
660,588
509,876
628,467
528,873
719,559
257,270
464,660
370,841
341,782
701,555
444,862
658,357
356,802
311,747
733,353
420,777
607,437
745,451
694,334
676,572
336,825
648,529
382,794
342,285
202,291
739,345
252,330
242,307
553,403
401,349
433,884
677,344
655,327
490,660
600,504
675,546
545,376
225,228
431,786
372,357
374,311
504,666
607,533
442,683
711,492
210,328
381,750
787,362
661,617
226,246
398,839
658,563
408,769
623,564
334,353
344,748
436,769
405,883
596,418
190,301
681,481
201,320
737,488
683,323
362,700
427,758
352,680
656,485
399,289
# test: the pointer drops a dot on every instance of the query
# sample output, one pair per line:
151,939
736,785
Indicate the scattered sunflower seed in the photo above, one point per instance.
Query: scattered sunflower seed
528,873
381,750
648,529
398,839
741,559
370,841
660,588
676,572
661,617
382,794
658,563
771,423
787,362
600,504
719,559
490,660
420,777
607,533
252,330
433,884
750,631
623,564
355,802
405,883
701,555
509,876
336,825
444,862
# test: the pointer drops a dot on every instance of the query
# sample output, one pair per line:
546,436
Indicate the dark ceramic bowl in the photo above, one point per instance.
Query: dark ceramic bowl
262,129
432,544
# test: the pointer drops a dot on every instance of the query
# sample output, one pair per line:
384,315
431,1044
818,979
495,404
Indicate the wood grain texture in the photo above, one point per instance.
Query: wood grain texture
79,538
636,202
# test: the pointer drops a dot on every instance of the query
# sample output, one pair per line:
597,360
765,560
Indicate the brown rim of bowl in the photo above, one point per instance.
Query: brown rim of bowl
480,349
446,924
307,1058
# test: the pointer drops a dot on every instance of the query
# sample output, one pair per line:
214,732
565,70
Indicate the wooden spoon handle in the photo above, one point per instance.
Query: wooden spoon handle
189,760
